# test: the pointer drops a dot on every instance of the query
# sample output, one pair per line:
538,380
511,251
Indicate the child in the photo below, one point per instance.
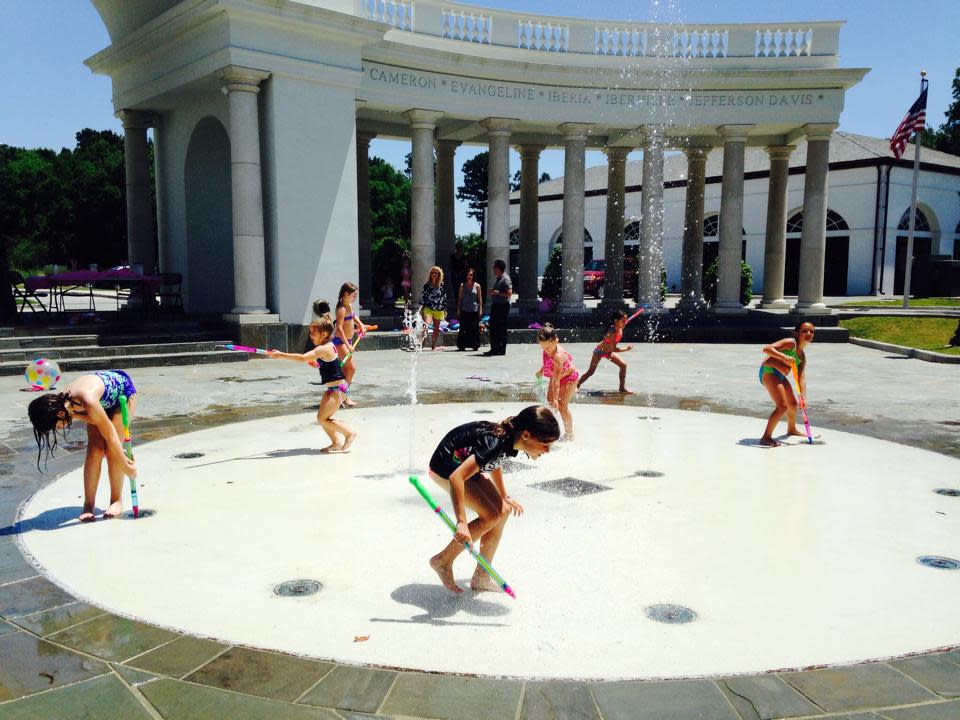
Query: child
331,374
775,377
346,328
608,349
558,367
433,302
459,465
406,284
93,399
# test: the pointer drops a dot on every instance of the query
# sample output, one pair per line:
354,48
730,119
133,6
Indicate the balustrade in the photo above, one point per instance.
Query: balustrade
465,25
396,13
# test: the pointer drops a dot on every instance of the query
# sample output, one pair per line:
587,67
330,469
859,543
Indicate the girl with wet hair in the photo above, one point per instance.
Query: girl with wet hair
558,368
775,377
324,356
94,400
460,465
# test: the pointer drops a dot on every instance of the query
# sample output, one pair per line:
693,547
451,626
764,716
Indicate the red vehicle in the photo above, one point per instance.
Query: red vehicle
594,277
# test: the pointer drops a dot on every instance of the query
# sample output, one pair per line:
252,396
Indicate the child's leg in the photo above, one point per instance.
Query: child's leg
618,361
567,393
481,496
115,465
96,451
329,404
349,370
332,426
594,361
776,388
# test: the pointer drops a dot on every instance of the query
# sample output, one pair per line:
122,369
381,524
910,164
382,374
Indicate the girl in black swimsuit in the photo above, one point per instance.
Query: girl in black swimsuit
324,355
459,465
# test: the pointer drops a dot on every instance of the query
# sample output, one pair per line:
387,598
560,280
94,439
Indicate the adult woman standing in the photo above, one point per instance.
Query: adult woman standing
433,303
469,310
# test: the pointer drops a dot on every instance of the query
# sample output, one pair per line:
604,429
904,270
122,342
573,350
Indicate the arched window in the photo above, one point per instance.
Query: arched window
711,225
515,239
587,244
922,244
921,223
631,238
835,223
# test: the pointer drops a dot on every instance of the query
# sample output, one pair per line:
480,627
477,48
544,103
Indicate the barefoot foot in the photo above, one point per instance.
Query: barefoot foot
87,514
769,442
347,402
331,449
481,582
796,433
348,440
445,572
626,391
115,510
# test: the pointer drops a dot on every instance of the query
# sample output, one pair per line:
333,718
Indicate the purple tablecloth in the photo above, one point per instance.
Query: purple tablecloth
90,277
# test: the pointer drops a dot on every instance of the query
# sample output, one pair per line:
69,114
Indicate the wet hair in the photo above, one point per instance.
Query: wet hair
537,420
321,307
546,333
44,413
324,326
500,265
345,289
617,315
796,328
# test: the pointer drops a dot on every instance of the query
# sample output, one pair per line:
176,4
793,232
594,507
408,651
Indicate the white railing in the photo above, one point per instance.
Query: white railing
790,43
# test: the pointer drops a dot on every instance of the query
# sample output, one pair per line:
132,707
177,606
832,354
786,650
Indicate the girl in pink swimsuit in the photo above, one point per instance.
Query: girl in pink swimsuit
558,367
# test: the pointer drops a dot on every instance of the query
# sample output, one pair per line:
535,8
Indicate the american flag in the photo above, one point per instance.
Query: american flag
914,121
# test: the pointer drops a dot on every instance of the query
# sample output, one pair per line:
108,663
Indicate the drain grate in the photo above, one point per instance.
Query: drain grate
483,412
189,455
648,473
143,513
648,417
940,563
670,614
949,492
570,487
297,588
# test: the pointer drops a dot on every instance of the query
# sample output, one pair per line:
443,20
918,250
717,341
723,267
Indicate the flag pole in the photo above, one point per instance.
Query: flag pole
908,262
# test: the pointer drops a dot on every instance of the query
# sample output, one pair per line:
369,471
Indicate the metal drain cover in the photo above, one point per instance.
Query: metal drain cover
648,417
648,473
189,455
570,487
671,614
940,563
297,588
483,412
141,513
949,492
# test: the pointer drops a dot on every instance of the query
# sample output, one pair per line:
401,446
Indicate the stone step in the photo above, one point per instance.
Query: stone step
126,362
107,351
45,341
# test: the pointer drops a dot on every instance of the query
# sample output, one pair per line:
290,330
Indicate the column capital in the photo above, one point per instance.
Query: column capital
243,79
498,126
734,133
135,119
616,153
780,151
819,131
530,152
697,152
576,131
649,134
447,146
423,119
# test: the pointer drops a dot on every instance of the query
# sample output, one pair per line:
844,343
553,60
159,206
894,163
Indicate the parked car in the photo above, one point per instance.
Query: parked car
594,277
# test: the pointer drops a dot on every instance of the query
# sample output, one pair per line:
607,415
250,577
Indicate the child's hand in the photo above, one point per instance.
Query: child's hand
130,467
539,373
273,353
628,348
313,363
462,534
515,507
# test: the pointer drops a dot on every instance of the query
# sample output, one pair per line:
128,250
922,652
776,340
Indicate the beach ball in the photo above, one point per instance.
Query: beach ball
42,374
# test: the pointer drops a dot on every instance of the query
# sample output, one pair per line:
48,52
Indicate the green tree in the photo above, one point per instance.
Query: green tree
946,138
551,284
711,279
389,201
474,188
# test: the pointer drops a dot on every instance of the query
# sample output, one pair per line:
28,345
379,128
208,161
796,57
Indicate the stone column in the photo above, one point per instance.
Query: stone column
574,155
364,231
422,216
529,224
731,219
497,218
613,243
650,256
813,236
249,274
446,222
775,245
140,246
691,264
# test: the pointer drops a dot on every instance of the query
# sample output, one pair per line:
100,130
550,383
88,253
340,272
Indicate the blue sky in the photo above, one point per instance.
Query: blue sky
50,94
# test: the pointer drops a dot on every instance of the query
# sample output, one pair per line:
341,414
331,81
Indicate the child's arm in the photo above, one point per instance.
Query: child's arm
338,330
306,357
97,417
774,351
464,472
497,476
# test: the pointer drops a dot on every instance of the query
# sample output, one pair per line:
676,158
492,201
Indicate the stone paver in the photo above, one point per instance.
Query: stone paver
13,566
47,622
857,687
939,711
6,627
103,698
179,658
112,637
29,665
176,700
30,596
765,697
352,688
131,676
939,673
256,672
558,701
459,698
679,700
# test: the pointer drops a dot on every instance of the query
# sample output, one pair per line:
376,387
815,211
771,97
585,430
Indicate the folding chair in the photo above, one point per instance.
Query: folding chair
170,293
24,296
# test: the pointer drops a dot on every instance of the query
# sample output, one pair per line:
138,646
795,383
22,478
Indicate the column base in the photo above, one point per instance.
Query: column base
527,306
573,307
249,310
262,330
692,305
778,304
613,304
726,307
807,308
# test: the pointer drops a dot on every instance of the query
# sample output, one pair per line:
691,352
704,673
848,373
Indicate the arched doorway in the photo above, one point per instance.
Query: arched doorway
922,242
513,266
711,241
631,238
209,219
587,243
836,259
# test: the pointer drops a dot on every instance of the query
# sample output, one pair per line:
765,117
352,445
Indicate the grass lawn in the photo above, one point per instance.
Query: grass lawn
916,302
922,333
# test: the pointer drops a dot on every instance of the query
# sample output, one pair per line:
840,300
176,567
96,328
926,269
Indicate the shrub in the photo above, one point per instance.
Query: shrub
551,285
710,279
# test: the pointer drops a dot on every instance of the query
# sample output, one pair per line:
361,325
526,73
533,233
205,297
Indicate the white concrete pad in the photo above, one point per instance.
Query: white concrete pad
791,557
